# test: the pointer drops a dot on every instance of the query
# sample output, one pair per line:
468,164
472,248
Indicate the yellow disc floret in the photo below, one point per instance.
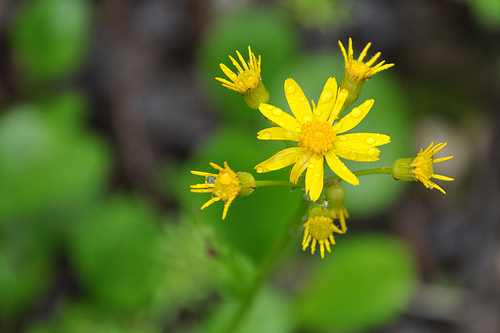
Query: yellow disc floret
317,136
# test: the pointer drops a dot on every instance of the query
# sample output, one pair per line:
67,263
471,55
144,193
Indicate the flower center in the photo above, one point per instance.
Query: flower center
358,69
247,80
423,167
226,185
321,227
317,136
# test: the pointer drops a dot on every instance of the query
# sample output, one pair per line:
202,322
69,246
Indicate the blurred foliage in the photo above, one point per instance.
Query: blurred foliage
49,37
320,14
137,269
487,12
369,281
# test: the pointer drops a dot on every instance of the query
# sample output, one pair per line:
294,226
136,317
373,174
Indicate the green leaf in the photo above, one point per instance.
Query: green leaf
26,268
114,248
269,313
44,167
367,281
49,37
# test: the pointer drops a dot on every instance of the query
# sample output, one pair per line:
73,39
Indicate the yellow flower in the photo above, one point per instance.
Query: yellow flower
359,69
248,80
421,167
357,72
317,133
319,228
225,186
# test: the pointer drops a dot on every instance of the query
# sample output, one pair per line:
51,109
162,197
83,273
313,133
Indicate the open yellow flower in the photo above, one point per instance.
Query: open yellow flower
319,228
247,81
421,167
317,132
225,186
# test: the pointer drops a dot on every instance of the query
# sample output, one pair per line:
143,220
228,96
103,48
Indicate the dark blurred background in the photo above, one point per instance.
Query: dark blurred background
105,107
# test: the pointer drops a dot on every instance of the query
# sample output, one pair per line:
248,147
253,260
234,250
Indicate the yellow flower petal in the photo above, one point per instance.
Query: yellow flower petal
354,117
229,73
280,160
297,101
371,139
299,167
340,169
277,133
326,100
277,116
441,177
356,152
314,177
235,63
339,103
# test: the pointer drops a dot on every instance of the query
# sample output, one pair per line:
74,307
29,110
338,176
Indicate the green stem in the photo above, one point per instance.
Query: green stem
262,183
379,171
267,265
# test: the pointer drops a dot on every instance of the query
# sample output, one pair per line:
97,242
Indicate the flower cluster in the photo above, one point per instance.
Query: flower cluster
320,132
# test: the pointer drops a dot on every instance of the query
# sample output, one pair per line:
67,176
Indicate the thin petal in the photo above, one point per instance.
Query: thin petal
339,102
344,53
279,117
277,133
326,100
351,51
297,101
314,177
364,52
299,167
340,169
229,73
449,179
242,60
442,159
203,190
204,174
209,202
235,63
280,160
354,117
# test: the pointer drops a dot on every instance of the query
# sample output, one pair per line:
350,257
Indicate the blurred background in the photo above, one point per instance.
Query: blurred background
106,106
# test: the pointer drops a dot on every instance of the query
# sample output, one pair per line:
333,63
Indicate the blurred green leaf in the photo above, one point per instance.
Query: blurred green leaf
84,318
270,313
49,37
43,166
320,14
114,250
25,266
367,281
487,12
270,34
195,265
